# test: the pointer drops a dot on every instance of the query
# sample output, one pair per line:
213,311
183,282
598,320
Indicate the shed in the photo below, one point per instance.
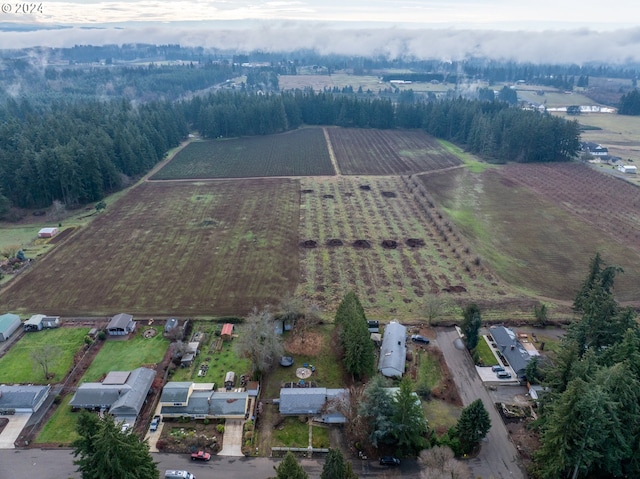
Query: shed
9,322
629,169
121,325
47,232
227,331
230,380
170,324
49,322
393,351
34,323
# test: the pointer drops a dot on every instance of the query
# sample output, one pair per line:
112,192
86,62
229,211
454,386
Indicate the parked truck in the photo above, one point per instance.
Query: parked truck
172,474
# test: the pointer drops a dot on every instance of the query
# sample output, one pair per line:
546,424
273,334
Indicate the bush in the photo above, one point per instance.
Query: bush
88,339
423,390
102,335
57,399
161,444
206,421
220,428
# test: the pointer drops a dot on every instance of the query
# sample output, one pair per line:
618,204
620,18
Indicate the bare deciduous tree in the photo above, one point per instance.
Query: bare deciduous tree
439,463
259,341
45,358
434,307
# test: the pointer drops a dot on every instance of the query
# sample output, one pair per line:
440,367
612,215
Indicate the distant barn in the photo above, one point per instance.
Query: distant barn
47,232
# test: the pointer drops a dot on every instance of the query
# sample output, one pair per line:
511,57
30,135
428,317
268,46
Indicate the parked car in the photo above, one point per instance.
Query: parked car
503,375
417,338
172,474
497,368
200,456
155,422
389,461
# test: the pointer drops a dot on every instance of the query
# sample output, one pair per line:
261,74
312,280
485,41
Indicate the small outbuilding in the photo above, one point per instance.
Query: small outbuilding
393,352
47,232
628,169
38,322
9,322
227,331
171,323
121,325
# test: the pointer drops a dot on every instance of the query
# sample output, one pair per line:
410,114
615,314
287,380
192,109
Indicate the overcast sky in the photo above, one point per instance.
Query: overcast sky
540,30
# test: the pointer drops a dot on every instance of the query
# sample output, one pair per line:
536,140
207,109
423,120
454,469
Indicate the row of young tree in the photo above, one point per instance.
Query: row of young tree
590,418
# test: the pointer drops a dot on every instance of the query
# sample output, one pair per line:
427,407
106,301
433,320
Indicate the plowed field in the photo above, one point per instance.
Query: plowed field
173,249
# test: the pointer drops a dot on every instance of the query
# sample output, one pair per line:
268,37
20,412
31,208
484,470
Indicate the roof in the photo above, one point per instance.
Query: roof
120,321
192,347
49,230
210,403
8,320
21,396
227,329
170,324
116,377
122,399
175,392
507,342
393,351
34,320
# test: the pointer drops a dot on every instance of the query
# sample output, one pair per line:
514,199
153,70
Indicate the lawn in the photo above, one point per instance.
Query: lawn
61,427
429,372
17,366
128,354
440,414
485,354
295,433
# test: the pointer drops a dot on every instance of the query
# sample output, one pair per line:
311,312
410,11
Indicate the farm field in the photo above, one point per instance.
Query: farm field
301,152
387,152
181,249
538,225
344,222
619,133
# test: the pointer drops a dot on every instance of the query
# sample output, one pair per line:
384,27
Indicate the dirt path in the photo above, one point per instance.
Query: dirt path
332,155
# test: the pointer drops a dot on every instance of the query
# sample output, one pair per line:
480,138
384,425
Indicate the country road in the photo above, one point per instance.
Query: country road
498,458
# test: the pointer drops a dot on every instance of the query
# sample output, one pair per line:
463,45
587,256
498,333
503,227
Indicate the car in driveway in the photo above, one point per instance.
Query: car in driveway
155,422
497,368
389,461
503,375
200,456
418,338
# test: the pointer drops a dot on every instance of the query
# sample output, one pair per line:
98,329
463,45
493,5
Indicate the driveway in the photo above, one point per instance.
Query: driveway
17,422
232,441
498,457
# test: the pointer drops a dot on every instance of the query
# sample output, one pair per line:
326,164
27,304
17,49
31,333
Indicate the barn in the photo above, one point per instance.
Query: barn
47,232
8,324
121,325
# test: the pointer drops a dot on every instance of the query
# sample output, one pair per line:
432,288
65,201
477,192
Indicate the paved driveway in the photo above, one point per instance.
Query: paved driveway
17,422
498,457
232,441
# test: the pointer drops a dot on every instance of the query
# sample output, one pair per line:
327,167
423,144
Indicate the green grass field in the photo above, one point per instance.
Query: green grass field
484,352
61,427
128,354
294,433
18,367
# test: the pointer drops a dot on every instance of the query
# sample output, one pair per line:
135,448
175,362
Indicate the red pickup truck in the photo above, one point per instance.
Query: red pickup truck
200,456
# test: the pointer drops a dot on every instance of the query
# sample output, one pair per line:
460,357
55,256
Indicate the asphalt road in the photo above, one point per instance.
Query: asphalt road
58,464
498,456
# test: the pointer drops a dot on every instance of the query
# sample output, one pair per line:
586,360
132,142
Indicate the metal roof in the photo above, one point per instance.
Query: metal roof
21,396
515,353
393,352
120,321
175,392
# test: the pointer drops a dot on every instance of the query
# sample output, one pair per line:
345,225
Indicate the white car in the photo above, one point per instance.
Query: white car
125,427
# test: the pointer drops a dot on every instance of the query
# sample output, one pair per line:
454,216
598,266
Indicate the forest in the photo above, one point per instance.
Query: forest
78,151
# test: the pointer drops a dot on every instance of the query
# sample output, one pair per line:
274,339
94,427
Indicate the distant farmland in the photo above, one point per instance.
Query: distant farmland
297,153
388,152
173,249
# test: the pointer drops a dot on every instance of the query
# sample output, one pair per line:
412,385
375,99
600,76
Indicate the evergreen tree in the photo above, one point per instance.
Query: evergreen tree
377,407
335,467
471,325
473,426
106,452
409,423
289,468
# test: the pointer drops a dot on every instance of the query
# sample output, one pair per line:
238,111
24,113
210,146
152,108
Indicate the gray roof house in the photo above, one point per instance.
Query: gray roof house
8,324
122,393
393,352
512,350
23,398
121,325
318,402
201,400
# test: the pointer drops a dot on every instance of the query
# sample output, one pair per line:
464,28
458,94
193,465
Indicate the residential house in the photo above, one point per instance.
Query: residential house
9,322
121,325
22,398
321,403
393,352
202,401
121,393
594,149
515,354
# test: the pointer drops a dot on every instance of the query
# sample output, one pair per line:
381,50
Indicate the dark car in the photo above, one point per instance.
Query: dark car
497,368
154,424
389,461
200,456
419,339
503,375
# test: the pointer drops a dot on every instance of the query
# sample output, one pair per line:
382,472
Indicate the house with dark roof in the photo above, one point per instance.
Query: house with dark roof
23,398
594,149
393,352
202,401
121,393
318,402
511,348
121,325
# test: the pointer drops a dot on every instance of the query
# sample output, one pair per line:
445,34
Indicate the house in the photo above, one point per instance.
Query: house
202,401
594,149
393,351
121,393
22,398
510,347
629,169
121,325
47,232
227,331
9,322
318,402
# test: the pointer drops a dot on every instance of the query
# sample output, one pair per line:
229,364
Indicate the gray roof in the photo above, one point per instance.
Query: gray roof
21,396
393,352
9,321
211,404
121,399
307,401
34,320
120,321
514,352
175,391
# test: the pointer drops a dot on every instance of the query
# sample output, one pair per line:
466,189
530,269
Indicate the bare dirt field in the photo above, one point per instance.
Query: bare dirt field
182,248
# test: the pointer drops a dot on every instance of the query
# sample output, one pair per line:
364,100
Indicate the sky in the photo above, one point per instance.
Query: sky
542,30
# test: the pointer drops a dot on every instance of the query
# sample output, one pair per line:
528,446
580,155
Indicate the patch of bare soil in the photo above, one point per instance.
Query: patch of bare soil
3,422
334,242
309,344
185,437
517,420
309,244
